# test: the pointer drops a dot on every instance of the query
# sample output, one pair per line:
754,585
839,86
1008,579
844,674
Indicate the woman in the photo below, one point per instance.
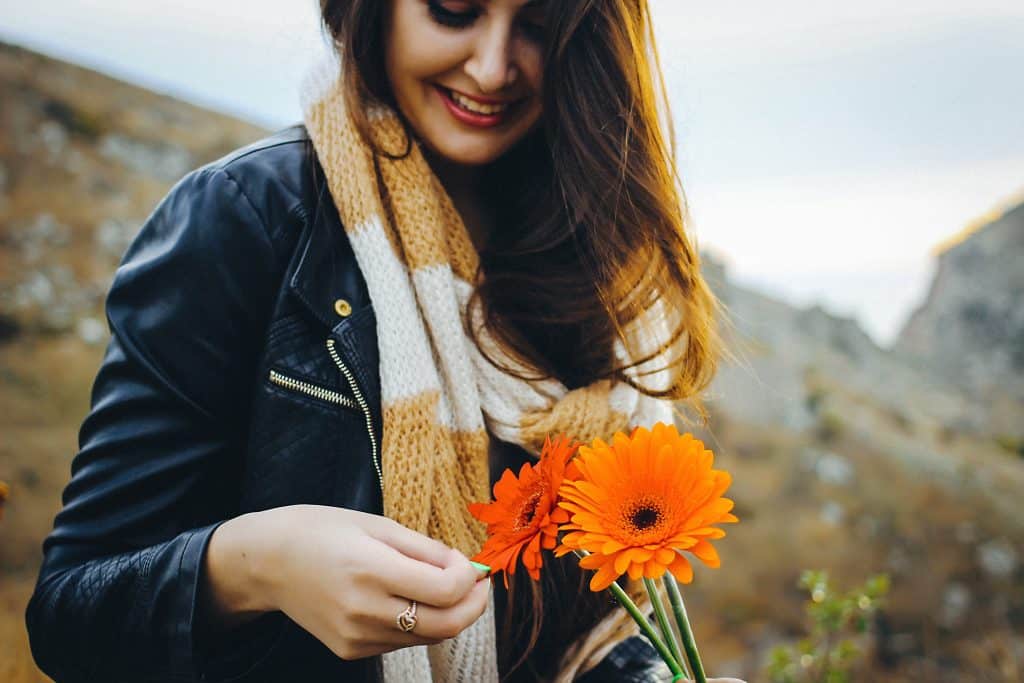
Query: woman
462,250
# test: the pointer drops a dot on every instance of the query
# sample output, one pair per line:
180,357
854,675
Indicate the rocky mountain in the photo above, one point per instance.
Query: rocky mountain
805,370
970,328
782,350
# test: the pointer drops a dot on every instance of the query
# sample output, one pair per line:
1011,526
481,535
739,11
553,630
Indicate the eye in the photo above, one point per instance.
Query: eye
532,24
446,17
532,31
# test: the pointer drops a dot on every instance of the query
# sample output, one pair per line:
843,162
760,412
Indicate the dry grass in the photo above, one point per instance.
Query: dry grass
44,397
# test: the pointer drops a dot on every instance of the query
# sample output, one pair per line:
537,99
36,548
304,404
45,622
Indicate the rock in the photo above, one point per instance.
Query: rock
91,330
956,600
832,513
54,139
167,162
113,236
53,298
833,469
38,237
998,558
37,290
75,162
58,317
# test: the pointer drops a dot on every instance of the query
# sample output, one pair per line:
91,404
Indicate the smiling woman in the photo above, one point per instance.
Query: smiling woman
474,240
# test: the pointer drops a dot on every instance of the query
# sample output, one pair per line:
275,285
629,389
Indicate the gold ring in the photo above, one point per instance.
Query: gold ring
406,619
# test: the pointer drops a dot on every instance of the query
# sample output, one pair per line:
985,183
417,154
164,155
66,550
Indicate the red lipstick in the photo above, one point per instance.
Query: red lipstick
473,118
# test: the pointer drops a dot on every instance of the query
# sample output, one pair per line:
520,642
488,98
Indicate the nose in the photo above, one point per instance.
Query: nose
492,65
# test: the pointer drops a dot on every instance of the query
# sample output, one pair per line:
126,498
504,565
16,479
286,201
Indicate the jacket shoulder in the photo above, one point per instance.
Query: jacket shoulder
289,146
278,174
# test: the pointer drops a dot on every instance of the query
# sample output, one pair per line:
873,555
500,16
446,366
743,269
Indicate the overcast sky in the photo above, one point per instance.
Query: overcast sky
825,147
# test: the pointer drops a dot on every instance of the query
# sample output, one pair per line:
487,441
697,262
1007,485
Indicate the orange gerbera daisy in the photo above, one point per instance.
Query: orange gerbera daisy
524,516
640,501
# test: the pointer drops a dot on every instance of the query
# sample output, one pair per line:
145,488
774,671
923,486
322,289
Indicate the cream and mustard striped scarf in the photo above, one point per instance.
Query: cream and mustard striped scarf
442,400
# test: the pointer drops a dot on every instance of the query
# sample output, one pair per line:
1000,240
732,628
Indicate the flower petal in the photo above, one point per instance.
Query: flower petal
604,577
681,569
707,553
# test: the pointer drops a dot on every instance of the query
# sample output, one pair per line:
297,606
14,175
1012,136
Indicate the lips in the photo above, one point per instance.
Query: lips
475,111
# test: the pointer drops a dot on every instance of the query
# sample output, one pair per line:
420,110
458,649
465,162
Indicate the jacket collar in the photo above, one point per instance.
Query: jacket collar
327,270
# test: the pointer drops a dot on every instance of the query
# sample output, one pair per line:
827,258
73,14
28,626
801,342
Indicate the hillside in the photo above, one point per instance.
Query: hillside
83,160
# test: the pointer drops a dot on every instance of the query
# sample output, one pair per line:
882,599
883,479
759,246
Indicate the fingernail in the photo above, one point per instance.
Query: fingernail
481,567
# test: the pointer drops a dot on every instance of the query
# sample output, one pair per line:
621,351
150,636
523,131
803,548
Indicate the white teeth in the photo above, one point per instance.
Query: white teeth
476,107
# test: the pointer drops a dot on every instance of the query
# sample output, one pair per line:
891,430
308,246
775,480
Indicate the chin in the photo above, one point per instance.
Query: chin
470,155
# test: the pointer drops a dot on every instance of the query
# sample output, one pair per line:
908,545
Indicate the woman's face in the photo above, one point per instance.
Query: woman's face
466,73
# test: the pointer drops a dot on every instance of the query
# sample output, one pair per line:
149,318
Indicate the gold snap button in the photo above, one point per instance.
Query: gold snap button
342,308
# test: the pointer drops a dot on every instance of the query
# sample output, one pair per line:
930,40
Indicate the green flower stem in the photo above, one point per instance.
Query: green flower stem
689,643
646,627
642,622
659,613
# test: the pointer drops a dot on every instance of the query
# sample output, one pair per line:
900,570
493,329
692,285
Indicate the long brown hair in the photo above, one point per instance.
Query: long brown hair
592,220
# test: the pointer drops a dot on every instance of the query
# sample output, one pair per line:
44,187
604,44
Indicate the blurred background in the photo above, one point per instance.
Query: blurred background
855,180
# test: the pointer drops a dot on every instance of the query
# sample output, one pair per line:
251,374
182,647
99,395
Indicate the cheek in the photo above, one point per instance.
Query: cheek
530,60
418,49
424,59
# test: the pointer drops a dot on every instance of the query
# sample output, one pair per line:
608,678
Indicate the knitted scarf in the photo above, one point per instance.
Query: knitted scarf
442,399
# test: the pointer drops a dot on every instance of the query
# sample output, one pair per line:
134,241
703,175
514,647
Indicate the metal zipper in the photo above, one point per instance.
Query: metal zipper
312,390
362,404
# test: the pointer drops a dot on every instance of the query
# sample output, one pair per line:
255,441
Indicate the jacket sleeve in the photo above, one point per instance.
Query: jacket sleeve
116,596
632,660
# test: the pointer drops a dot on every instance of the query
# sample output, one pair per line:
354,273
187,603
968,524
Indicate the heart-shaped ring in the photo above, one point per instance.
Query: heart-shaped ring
406,619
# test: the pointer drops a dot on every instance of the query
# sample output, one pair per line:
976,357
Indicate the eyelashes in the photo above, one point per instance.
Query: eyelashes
446,17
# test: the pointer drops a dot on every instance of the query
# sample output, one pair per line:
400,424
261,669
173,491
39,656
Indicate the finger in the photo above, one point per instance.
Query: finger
442,589
411,543
434,623
425,583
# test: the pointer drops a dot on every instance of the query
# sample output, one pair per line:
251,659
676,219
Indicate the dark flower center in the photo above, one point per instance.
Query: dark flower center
642,515
528,511
645,517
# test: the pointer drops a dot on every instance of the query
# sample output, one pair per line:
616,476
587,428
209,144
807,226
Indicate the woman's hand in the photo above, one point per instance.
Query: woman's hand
344,576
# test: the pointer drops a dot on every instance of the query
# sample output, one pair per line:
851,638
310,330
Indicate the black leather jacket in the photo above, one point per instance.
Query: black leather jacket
241,375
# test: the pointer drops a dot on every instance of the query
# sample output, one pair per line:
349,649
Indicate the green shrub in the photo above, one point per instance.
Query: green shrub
831,651
1011,444
829,426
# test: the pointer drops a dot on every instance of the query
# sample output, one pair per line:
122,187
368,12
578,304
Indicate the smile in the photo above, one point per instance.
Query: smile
468,110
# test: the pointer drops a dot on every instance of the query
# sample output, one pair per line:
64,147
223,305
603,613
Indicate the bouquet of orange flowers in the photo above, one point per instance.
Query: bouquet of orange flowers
632,506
